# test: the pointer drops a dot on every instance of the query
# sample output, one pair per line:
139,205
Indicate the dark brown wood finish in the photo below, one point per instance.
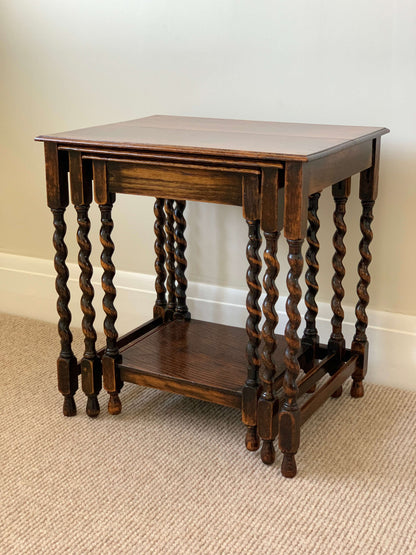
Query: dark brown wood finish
56,165
251,389
323,172
160,287
295,220
368,195
276,172
310,335
289,416
336,343
191,182
206,360
181,310
111,375
170,256
268,406
81,196
234,138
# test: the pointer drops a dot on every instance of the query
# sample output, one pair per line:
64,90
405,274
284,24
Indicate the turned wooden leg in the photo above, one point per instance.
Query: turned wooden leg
81,194
368,195
336,343
90,364
66,363
360,342
111,375
268,406
251,387
289,417
310,335
160,304
181,311
170,257
57,166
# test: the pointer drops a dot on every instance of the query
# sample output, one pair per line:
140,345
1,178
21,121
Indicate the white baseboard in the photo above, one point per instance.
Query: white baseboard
28,290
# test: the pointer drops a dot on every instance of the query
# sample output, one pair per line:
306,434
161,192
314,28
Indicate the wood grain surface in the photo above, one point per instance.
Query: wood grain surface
198,359
179,182
251,139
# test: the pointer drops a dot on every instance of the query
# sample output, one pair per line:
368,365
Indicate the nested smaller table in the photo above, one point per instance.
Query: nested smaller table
276,172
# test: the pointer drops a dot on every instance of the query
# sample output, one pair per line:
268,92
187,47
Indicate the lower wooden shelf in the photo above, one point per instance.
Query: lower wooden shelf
207,361
195,358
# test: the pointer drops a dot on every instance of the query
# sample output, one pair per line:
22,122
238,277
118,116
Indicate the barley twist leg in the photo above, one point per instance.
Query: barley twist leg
310,336
251,388
66,363
181,311
289,416
90,364
170,256
360,342
112,381
160,305
268,403
336,343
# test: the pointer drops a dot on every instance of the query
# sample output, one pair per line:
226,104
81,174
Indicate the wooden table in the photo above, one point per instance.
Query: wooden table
276,172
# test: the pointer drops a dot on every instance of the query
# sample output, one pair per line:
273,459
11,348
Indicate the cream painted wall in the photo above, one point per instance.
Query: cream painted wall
66,65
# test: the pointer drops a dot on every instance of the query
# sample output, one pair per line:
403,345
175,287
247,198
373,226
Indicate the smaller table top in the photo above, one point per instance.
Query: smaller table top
222,137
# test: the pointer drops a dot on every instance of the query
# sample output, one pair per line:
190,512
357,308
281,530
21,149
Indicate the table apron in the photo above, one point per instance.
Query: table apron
324,172
186,182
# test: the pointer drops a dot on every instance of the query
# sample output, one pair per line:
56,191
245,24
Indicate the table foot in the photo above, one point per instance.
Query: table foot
252,438
288,468
268,453
69,408
93,406
337,393
114,404
357,390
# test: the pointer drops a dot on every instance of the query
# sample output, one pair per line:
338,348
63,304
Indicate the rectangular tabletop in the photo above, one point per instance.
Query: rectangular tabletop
222,137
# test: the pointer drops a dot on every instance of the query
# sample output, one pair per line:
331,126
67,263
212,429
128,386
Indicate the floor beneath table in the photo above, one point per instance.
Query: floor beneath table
171,474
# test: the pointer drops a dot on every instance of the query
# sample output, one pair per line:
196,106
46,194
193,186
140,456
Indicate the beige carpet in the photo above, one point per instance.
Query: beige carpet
171,475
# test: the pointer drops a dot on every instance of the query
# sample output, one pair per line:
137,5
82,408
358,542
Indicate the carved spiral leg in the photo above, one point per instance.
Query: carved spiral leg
251,388
310,336
90,364
181,311
268,403
111,376
66,363
338,312
336,343
170,257
160,305
311,333
289,417
360,342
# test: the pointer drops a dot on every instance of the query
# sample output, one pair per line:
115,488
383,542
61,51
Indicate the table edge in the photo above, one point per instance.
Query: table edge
227,153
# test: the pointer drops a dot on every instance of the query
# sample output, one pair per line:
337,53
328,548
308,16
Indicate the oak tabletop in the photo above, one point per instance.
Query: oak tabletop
226,137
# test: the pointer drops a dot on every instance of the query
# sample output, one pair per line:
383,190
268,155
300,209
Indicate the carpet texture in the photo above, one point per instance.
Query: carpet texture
171,474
